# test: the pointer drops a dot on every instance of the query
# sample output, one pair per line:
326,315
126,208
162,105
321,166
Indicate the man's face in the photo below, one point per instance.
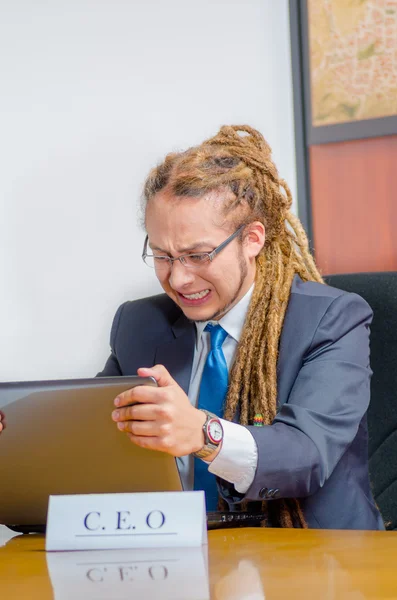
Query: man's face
185,226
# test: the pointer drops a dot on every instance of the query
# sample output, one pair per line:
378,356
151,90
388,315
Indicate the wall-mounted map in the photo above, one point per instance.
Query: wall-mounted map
353,60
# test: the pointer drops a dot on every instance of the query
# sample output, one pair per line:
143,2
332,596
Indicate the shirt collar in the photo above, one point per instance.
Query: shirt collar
233,321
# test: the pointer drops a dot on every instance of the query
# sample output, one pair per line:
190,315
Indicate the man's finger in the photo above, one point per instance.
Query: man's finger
153,443
138,412
160,373
139,428
142,393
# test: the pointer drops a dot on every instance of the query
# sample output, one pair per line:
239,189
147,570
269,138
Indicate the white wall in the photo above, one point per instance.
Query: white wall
93,93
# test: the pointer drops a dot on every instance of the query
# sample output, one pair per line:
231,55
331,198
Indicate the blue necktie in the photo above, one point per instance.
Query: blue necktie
213,388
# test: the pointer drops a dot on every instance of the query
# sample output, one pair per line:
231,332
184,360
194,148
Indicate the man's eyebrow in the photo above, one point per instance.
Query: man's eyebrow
187,249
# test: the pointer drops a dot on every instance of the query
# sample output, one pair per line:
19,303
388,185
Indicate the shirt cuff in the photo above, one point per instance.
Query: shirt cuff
237,460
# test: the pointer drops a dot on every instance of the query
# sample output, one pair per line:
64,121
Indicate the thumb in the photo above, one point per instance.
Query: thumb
160,373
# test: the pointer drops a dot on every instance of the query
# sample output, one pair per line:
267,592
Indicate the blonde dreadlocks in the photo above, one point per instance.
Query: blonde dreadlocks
238,160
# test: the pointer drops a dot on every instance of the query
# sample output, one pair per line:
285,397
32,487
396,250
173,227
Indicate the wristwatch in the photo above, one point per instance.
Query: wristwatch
213,435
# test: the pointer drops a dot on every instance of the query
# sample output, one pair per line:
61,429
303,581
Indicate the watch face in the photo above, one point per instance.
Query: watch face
215,431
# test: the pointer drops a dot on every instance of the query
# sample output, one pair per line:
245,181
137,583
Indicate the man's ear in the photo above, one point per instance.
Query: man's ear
254,238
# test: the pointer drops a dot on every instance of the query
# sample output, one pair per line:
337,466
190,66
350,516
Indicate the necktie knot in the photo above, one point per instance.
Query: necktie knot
218,335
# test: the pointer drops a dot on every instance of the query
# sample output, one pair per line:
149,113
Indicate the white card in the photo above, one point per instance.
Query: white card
166,573
112,521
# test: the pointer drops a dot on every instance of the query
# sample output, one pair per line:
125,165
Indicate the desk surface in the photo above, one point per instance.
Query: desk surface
243,563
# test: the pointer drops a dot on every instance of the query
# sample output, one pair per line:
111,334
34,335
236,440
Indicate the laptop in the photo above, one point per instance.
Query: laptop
60,439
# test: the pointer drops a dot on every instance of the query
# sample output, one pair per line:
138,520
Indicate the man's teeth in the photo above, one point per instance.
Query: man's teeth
196,296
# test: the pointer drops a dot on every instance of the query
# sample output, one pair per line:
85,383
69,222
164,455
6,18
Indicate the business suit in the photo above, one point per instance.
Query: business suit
316,448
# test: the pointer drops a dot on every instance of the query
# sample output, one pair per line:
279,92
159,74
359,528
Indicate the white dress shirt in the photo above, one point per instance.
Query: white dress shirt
237,459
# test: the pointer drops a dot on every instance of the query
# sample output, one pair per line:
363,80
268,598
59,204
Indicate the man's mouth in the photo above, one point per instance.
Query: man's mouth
196,295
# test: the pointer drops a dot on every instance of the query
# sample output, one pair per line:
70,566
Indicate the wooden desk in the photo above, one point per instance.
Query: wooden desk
255,563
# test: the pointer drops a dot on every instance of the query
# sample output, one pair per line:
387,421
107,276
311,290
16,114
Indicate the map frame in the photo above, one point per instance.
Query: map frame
337,132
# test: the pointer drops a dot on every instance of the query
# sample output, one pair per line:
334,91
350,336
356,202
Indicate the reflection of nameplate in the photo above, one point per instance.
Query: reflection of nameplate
111,521
167,573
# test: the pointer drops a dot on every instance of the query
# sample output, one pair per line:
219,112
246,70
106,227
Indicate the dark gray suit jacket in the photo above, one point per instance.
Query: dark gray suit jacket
316,448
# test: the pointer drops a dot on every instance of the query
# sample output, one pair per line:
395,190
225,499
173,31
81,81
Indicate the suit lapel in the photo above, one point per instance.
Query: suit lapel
177,355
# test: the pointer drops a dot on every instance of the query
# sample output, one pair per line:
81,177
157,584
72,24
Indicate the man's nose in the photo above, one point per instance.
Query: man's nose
180,275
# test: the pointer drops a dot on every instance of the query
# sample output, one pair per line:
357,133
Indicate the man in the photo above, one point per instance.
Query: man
2,421
262,370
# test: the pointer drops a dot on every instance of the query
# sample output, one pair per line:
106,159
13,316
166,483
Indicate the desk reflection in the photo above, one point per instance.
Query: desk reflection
170,573
248,581
273,570
242,583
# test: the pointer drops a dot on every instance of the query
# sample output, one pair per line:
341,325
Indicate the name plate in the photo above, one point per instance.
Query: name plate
117,521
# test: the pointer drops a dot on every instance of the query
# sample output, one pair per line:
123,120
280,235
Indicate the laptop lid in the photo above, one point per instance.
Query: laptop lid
60,439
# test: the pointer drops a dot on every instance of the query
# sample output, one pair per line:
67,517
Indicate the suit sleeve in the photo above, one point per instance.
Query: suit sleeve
330,396
112,367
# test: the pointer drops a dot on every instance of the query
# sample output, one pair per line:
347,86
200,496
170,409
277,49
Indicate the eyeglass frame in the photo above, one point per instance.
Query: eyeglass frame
211,255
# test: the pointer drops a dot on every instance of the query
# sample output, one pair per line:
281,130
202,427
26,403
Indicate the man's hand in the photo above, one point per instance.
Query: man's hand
162,418
2,421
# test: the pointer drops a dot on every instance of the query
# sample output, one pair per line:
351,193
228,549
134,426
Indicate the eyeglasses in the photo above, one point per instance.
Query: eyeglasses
187,260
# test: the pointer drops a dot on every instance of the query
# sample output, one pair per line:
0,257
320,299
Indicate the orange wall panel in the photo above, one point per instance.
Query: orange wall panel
354,205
